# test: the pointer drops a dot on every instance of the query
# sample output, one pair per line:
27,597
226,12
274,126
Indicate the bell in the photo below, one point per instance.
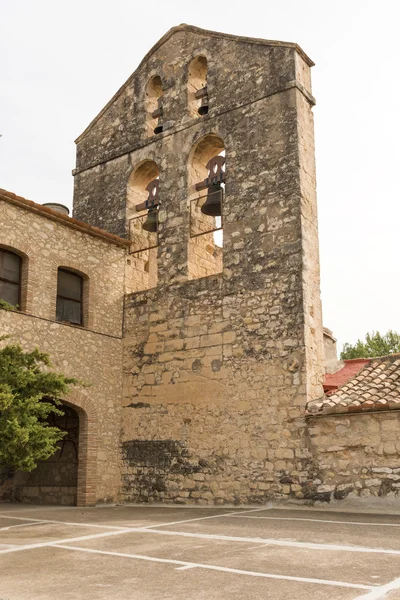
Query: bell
213,205
150,223
202,93
158,114
203,109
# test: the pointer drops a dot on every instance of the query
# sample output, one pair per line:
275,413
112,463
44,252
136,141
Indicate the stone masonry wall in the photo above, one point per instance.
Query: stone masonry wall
91,353
210,415
357,455
217,370
103,160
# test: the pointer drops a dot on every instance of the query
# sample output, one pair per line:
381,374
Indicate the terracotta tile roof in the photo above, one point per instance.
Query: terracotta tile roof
54,215
351,368
376,387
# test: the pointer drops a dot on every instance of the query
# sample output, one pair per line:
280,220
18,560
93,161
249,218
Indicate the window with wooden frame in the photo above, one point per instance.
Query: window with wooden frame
10,277
69,297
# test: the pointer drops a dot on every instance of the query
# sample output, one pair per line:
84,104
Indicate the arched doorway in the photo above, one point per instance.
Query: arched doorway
69,477
55,480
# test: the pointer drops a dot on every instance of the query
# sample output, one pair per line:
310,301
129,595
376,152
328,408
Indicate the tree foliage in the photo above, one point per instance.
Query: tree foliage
4,305
29,393
375,344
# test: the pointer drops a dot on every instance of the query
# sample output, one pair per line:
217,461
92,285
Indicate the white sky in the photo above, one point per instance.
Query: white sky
62,61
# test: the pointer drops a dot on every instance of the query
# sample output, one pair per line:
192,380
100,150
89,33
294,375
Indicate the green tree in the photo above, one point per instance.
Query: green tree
375,344
29,393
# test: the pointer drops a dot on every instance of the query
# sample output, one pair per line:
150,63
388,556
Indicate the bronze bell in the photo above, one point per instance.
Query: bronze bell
158,114
150,223
213,205
202,93
203,109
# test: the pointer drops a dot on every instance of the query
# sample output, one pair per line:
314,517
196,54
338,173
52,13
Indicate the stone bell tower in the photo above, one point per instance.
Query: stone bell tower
223,332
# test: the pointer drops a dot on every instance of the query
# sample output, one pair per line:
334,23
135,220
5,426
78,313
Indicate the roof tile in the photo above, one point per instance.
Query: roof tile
375,387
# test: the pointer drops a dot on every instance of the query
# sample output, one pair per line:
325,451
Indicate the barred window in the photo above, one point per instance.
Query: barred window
10,277
69,297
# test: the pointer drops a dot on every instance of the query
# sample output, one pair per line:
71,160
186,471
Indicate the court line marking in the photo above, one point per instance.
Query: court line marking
381,591
320,521
123,528
273,542
189,565
20,525
44,521
52,543
117,531
209,517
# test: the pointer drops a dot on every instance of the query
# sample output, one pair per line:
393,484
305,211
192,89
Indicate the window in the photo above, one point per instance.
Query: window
10,277
69,297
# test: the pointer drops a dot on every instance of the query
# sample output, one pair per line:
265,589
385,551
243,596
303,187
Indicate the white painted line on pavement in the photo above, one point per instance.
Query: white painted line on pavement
20,525
272,542
238,516
210,517
63,541
117,531
381,591
190,565
72,523
44,521
25,519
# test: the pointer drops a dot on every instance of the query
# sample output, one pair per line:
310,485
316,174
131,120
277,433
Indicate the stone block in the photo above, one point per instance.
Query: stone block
214,339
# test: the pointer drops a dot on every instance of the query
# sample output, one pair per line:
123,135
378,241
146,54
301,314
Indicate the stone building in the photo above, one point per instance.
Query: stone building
195,245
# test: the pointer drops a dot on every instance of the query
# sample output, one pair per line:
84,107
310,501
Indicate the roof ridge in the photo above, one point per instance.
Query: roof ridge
54,215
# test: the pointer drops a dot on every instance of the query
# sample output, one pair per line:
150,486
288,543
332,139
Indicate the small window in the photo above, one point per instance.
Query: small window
69,297
10,277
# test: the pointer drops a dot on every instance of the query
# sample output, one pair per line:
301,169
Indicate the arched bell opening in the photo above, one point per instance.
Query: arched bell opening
154,106
55,480
206,182
142,218
197,87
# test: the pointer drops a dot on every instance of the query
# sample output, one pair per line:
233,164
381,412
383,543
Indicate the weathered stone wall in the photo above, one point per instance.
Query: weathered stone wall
357,455
211,414
217,370
312,307
104,150
45,245
91,353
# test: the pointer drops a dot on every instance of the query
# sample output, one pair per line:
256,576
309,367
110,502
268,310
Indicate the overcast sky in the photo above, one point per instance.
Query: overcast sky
62,61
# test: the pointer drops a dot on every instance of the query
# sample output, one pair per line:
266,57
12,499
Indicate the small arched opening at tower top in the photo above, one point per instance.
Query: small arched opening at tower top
197,87
154,106
206,233
142,271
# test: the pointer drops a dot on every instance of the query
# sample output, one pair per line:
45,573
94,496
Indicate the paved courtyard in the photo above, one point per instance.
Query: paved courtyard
185,553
